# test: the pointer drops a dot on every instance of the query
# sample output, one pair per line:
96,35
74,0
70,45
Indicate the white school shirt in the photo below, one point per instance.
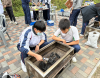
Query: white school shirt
1,8
29,39
71,35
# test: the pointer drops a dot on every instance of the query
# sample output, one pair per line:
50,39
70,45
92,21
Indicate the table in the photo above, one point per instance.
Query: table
39,9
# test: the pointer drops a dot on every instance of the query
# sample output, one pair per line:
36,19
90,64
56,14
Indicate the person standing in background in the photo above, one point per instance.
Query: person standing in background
26,9
75,11
36,13
46,13
7,4
88,13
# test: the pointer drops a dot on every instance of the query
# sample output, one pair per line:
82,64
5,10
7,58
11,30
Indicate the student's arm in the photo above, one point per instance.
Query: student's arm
55,36
73,42
37,56
24,45
58,39
37,46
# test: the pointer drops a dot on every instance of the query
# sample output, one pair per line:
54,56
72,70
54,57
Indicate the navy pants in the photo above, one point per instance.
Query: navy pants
36,15
46,13
26,10
83,27
10,13
73,17
76,48
23,55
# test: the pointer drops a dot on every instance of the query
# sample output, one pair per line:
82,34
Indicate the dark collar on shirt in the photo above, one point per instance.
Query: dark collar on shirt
33,31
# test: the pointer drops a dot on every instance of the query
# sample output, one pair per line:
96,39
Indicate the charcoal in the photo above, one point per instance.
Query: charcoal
52,59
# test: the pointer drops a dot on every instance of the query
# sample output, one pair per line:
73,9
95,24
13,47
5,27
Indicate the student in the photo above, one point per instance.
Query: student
32,38
8,5
36,13
46,13
69,35
75,11
26,9
88,13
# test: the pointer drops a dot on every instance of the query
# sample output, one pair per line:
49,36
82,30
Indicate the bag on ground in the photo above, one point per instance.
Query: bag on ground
92,39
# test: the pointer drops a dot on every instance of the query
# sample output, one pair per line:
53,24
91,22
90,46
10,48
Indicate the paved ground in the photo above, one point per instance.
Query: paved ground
10,56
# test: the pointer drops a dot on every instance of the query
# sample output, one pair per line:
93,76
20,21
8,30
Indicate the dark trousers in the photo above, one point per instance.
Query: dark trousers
73,17
76,48
26,10
46,13
36,15
10,13
84,26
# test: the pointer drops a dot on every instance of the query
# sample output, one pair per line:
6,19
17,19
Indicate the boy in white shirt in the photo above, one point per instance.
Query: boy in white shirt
69,35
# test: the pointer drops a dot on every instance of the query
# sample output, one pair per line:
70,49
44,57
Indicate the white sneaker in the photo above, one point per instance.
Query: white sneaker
74,59
81,35
16,23
23,66
11,22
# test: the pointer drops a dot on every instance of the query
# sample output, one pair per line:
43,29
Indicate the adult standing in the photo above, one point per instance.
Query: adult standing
75,11
88,13
7,4
36,13
46,13
26,9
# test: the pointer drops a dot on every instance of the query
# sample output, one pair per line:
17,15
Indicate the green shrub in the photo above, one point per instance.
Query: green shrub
18,11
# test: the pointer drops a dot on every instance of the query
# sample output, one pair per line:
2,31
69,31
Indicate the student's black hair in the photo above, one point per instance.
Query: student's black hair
64,23
39,25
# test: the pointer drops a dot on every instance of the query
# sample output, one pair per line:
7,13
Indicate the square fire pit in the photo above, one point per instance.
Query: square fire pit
64,51
94,26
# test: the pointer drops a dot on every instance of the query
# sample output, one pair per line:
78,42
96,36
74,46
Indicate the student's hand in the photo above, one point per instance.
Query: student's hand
36,48
38,57
64,41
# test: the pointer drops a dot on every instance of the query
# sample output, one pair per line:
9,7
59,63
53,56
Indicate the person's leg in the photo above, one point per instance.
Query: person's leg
24,9
37,15
44,14
72,17
48,12
76,48
8,11
28,14
76,15
83,27
34,12
11,13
